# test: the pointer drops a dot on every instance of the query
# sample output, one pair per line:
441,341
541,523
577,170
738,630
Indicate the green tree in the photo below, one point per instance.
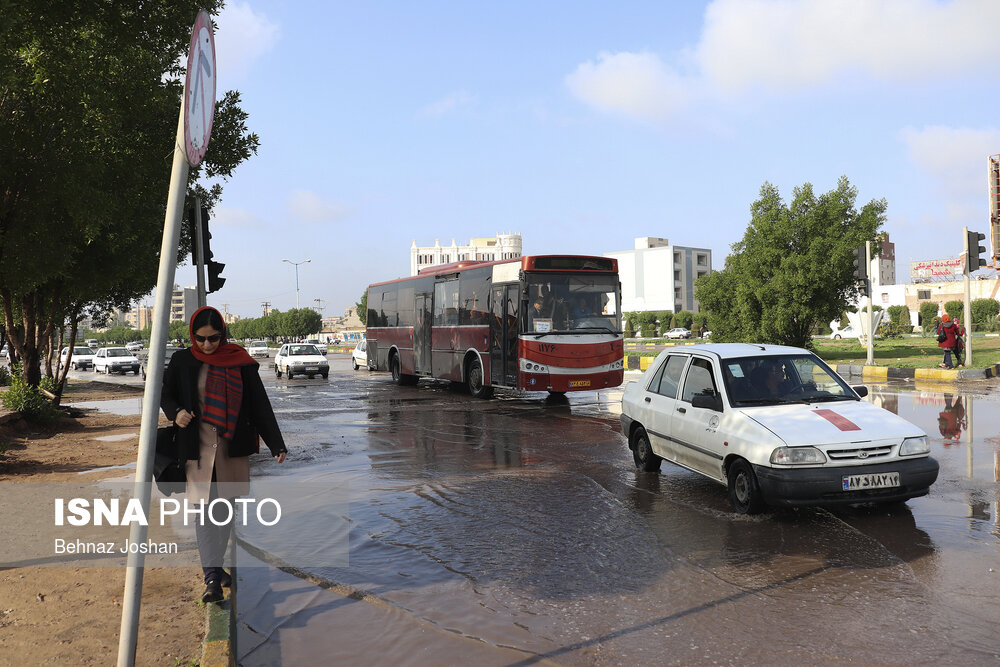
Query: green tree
89,99
362,307
955,308
792,269
984,311
928,316
683,318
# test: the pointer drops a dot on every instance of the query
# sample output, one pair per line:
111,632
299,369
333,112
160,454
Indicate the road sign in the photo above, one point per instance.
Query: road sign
199,90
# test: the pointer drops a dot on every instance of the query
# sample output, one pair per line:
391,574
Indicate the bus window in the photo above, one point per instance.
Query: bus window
446,304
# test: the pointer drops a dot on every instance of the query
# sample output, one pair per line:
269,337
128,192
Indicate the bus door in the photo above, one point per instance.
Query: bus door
503,335
422,311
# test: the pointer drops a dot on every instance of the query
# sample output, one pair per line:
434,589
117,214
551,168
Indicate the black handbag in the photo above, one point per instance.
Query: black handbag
942,336
168,469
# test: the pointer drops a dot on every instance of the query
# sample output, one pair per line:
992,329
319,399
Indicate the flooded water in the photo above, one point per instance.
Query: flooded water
517,530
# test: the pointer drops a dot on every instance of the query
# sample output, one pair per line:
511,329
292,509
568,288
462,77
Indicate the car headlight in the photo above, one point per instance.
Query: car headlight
913,446
797,456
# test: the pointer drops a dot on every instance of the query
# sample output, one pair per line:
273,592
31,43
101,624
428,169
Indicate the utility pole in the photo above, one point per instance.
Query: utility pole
319,305
265,305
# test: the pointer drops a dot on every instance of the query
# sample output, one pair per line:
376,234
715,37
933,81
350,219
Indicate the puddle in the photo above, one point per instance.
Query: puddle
124,466
116,438
125,407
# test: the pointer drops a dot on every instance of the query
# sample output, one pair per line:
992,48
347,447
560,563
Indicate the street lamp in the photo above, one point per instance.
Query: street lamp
296,265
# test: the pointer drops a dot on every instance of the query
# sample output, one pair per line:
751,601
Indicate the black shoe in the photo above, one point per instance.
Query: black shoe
225,580
213,592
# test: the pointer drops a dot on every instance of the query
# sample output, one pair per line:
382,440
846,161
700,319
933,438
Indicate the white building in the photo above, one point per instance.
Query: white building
503,246
658,276
183,303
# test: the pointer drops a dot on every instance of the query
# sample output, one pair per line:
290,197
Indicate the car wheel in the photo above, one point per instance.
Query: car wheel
277,371
474,381
836,337
744,493
642,452
289,373
326,376
356,367
312,377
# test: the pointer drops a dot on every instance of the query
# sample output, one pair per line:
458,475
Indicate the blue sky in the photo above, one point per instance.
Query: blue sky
582,125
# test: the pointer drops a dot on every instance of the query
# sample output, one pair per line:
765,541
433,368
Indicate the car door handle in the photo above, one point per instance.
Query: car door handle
647,399
682,410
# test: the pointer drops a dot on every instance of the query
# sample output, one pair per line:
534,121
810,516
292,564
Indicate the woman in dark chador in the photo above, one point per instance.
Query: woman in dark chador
213,392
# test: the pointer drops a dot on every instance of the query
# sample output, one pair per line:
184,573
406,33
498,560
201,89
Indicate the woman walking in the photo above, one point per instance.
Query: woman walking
951,332
213,392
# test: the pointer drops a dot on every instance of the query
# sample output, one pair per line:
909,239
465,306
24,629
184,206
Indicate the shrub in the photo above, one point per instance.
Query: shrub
900,315
683,318
954,308
28,400
4,376
892,330
984,311
629,330
928,315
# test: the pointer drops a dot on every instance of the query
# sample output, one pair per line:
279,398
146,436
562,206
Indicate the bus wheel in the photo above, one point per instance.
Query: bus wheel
474,381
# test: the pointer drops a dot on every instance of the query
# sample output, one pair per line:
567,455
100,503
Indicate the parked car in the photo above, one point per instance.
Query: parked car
706,335
83,357
167,353
134,346
258,348
846,332
301,359
775,425
360,355
115,360
679,332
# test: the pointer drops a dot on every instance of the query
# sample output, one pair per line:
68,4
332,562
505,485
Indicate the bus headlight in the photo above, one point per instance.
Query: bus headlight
528,366
912,446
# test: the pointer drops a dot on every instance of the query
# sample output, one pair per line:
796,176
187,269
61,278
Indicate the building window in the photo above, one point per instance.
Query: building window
923,294
677,276
702,260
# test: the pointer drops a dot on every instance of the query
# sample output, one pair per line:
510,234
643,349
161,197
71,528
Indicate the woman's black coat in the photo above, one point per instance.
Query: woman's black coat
180,390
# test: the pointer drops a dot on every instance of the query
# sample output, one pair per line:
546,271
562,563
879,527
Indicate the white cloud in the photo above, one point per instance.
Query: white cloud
787,45
955,159
236,218
243,36
448,103
634,84
307,206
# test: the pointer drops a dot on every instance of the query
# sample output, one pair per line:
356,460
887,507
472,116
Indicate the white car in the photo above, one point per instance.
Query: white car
846,332
115,360
301,359
679,332
83,357
775,425
360,355
134,346
259,348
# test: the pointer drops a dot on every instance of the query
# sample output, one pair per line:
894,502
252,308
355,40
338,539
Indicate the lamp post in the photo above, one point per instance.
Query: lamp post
296,265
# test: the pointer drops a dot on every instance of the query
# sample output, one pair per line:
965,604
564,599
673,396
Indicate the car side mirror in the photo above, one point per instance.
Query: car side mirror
709,402
861,390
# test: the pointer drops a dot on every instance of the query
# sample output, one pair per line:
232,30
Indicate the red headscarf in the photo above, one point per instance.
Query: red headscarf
227,355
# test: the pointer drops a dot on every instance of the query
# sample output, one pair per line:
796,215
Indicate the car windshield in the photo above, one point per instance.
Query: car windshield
258,343
300,350
774,380
577,303
82,350
118,352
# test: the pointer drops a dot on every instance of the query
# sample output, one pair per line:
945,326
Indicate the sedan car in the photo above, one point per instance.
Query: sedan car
776,426
301,359
258,348
115,360
360,355
679,332
846,332
167,353
83,357
134,346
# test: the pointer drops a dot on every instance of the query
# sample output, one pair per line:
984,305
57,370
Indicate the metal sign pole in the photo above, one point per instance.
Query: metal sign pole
966,306
199,253
871,315
151,395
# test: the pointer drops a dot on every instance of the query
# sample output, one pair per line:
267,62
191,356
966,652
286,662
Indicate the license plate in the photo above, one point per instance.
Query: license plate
312,368
579,383
881,480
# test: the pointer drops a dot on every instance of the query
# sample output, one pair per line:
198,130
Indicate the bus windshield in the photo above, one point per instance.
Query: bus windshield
573,303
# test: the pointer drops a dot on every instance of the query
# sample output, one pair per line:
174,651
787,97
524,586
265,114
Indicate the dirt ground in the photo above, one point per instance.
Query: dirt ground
72,615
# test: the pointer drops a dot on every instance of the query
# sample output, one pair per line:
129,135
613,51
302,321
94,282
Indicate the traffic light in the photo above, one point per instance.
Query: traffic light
215,280
972,260
860,263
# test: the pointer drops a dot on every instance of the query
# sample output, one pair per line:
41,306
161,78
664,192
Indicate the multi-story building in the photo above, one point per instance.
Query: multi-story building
503,246
656,275
183,303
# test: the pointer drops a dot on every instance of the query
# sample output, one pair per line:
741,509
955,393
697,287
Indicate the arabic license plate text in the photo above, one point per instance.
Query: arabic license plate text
881,480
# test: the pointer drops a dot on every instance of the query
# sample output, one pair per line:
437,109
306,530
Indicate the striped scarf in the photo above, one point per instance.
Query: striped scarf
223,395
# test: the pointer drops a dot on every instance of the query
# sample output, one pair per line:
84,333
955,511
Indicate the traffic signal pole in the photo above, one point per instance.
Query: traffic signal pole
199,252
967,306
870,361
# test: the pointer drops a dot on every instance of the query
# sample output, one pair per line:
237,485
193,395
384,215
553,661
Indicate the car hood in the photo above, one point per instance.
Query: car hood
305,359
831,423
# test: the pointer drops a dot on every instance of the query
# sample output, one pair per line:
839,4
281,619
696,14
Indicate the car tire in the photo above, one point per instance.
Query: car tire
326,376
474,381
642,452
289,374
836,337
744,492
277,371
356,366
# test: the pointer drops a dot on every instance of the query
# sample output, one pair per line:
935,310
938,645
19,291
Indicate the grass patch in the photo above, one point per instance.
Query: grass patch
917,352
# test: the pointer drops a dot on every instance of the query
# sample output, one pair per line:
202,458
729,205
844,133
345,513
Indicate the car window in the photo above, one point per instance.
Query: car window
654,382
699,380
771,380
671,376
300,350
82,350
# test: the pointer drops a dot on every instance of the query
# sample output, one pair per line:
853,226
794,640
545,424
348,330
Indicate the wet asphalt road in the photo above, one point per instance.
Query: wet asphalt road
517,530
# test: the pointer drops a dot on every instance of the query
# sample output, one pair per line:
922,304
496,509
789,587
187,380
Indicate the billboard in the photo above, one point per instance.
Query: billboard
937,268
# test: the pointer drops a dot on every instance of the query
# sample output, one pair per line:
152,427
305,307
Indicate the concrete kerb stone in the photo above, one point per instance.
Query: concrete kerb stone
217,649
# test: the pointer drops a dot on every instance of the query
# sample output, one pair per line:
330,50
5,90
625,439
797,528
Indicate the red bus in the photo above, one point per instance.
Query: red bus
545,323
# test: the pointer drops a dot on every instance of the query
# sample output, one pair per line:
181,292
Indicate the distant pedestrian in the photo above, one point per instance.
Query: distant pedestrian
959,344
948,333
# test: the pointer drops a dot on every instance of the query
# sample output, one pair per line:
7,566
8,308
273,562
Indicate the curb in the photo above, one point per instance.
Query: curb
217,649
634,362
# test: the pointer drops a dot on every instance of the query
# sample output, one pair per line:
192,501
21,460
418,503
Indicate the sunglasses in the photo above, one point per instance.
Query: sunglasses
214,338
